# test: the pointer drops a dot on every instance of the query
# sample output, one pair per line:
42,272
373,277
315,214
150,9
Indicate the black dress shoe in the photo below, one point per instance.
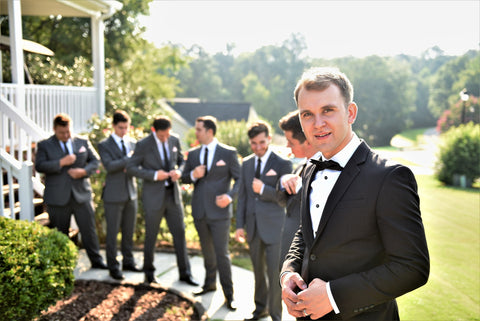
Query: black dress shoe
116,274
230,304
131,267
99,265
190,280
206,289
256,316
150,278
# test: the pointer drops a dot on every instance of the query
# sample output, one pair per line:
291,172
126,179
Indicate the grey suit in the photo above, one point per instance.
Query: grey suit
211,221
160,201
262,217
119,200
292,217
65,195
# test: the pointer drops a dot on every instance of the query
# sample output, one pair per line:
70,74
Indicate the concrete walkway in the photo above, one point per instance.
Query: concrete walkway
167,276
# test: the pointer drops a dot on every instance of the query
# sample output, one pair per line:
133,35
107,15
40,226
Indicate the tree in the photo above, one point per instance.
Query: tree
384,94
450,79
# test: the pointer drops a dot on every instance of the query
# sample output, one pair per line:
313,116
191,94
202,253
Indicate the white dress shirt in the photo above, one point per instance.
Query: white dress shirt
118,140
160,150
211,152
322,185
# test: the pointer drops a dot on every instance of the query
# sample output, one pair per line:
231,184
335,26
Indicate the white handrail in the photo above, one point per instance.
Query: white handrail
23,173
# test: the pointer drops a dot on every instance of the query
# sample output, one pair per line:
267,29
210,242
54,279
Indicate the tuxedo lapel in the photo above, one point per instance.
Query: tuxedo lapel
305,205
349,173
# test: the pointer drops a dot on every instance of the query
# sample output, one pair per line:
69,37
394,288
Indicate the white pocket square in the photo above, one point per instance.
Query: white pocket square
82,149
271,172
220,163
174,149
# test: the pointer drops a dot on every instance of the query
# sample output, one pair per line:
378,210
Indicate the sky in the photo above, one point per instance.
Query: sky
330,28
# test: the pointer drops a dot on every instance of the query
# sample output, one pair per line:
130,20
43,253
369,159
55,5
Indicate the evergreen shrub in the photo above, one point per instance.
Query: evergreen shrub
36,268
459,154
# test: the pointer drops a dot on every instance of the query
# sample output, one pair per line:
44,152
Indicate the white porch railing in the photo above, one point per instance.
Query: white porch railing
43,102
23,173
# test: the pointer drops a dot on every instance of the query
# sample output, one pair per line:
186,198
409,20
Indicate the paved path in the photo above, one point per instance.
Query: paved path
167,276
421,159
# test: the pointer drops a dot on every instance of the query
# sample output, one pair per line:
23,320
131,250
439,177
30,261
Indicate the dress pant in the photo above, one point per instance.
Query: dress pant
173,213
85,217
120,216
214,236
268,295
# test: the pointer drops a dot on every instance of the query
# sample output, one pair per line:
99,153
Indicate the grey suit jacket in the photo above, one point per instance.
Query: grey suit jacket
224,168
119,186
370,243
59,186
292,218
262,214
146,160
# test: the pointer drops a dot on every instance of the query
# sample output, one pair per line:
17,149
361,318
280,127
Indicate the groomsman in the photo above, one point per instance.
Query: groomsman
261,215
119,194
211,168
291,184
67,162
158,160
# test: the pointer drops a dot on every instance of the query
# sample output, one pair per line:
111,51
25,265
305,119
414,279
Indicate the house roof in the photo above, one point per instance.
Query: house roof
66,8
190,109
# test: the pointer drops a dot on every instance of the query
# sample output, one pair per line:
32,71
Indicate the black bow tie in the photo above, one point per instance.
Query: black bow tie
321,165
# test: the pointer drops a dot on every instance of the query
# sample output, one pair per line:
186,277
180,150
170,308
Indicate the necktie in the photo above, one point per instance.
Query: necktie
165,157
205,160
124,150
65,148
259,167
321,165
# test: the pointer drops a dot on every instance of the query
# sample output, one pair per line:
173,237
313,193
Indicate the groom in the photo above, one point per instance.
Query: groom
361,242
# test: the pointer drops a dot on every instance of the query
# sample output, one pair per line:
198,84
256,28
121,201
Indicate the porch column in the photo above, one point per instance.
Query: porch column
16,50
98,57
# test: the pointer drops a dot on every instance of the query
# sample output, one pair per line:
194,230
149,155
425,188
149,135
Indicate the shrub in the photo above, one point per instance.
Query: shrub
36,268
230,132
453,116
459,153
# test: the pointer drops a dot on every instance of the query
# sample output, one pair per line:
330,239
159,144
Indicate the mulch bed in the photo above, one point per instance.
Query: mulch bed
99,301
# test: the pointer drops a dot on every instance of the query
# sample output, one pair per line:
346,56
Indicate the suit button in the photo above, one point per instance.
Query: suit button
313,257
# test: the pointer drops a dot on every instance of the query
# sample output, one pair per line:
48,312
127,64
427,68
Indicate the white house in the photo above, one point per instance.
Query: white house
27,111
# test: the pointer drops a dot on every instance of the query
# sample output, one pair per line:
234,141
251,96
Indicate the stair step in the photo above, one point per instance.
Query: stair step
16,207
6,189
42,219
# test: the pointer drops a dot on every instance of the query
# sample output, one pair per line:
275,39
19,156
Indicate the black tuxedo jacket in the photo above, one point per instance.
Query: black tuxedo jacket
370,243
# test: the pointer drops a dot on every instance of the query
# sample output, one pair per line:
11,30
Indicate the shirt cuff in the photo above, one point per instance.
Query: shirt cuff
155,176
332,300
192,178
261,190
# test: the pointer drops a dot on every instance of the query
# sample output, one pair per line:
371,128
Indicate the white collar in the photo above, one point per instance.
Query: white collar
213,144
343,156
265,156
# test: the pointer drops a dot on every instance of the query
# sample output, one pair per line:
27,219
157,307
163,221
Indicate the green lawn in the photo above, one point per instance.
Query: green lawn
452,223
